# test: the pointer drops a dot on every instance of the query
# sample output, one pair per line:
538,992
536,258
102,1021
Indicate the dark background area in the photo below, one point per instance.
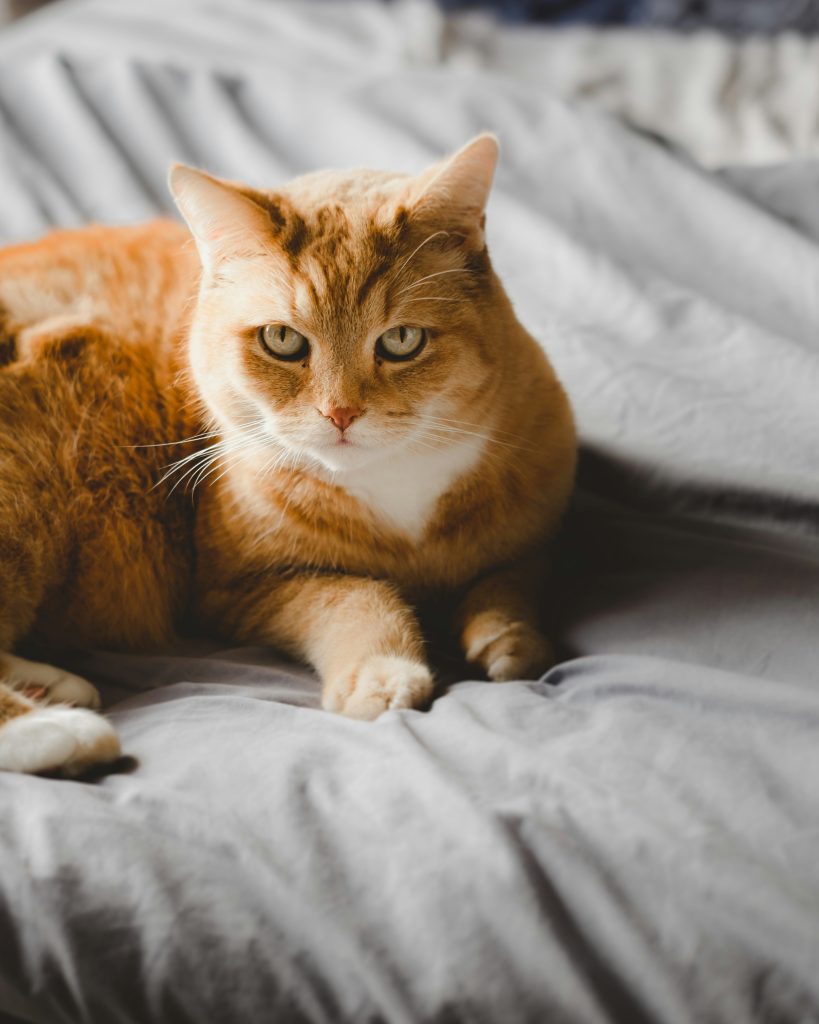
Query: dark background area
734,16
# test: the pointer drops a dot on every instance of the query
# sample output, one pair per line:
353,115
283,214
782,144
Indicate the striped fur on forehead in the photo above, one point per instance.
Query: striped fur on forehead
346,250
287,225
349,262
354,235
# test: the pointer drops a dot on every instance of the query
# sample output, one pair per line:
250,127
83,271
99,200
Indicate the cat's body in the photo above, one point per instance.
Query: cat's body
93,327
347,482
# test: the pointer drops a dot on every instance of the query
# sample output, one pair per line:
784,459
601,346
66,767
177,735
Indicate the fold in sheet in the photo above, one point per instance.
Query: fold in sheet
632,839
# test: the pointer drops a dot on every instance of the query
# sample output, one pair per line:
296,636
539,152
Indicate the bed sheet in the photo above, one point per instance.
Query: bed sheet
632,838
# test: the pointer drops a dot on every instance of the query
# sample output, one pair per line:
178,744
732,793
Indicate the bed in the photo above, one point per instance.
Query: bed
633,838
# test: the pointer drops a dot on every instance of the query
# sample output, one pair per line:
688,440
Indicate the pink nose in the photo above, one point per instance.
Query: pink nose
342,416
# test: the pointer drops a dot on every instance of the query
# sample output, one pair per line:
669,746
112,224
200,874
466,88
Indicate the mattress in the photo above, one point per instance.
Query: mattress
632,838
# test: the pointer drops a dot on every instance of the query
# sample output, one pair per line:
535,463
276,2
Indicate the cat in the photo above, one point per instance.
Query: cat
346,393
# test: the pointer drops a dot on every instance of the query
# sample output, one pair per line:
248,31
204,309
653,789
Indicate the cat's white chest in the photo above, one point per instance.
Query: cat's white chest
404,489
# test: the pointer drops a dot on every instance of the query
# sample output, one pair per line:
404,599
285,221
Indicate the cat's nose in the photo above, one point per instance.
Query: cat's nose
341,415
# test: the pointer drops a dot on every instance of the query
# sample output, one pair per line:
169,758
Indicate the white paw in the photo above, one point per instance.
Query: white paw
383,682
57,738
47,683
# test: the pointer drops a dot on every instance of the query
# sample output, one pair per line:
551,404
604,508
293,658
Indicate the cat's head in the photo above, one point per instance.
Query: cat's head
348,314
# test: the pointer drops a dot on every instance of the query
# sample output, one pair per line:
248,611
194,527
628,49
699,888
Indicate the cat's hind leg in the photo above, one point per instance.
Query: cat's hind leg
39,729
35,737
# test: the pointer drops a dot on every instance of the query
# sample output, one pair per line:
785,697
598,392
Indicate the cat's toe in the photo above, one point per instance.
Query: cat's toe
71,689
64,739
46,683
519,653
382,683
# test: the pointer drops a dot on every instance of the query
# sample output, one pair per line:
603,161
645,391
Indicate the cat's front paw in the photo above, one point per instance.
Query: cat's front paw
517,651
46,683
68,740
381,683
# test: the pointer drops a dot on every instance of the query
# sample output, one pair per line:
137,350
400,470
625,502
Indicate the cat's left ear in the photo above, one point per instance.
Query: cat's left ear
225,223
454,193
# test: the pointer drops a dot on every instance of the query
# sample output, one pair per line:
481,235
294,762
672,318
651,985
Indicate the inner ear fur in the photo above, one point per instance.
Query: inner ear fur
453,193
227,221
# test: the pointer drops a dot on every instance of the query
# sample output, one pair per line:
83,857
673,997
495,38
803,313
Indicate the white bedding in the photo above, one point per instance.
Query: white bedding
632,839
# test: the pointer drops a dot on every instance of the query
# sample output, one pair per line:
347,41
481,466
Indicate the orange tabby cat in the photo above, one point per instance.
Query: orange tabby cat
366,423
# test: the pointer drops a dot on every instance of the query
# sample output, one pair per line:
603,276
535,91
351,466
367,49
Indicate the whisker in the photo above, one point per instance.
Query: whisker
448,433
213,464
451,431
192,471
439,273
242,455
277,460
202,455
167,444
494,442
203,473
418,248
285,457
488,453
240,451
254,424
446,424
419,442
199,460
269,467
464,423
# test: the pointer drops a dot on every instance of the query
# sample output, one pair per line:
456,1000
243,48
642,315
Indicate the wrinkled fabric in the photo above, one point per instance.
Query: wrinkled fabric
631,839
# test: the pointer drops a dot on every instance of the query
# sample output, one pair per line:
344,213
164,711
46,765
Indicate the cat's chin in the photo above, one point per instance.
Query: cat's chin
340,458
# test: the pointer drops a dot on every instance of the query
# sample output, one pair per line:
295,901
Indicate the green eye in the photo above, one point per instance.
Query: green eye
283,342
400,343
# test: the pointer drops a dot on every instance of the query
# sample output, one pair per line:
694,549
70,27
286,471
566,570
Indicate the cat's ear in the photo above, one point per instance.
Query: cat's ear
225,223
454,193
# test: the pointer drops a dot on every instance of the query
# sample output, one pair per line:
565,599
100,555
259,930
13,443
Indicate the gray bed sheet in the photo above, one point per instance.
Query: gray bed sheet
634,838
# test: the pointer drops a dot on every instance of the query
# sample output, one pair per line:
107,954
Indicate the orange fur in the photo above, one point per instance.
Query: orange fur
12,705
118,353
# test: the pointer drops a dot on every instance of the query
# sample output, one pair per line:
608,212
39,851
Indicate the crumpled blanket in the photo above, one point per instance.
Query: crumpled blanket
632,838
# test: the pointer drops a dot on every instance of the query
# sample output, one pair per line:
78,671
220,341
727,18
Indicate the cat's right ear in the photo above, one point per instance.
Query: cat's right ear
453,194
225,223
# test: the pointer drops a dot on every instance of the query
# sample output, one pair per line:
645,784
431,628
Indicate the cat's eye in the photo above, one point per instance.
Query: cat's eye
400,343
283,342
